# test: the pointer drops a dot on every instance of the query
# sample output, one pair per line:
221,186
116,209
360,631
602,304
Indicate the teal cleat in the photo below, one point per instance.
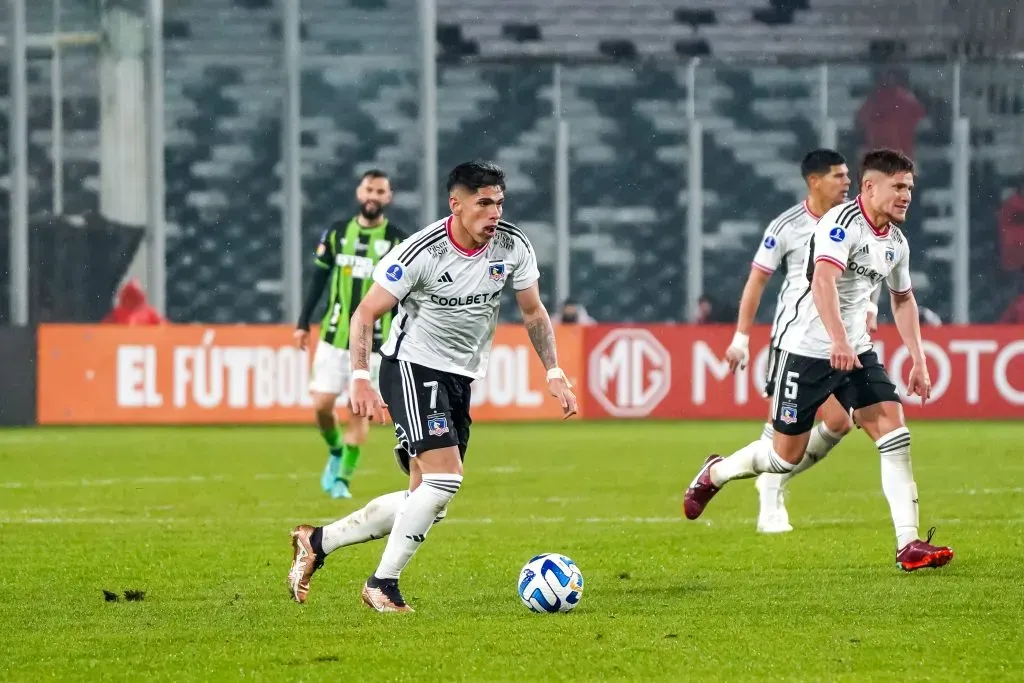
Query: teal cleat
340,489
330,474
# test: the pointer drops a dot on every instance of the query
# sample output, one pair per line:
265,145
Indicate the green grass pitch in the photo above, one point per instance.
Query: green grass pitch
198,518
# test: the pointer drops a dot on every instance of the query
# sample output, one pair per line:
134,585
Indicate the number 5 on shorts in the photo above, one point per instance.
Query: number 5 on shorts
789,393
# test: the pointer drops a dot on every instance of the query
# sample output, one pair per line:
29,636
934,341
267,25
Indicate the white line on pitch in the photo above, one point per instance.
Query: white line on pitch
26,436
149,481
196,479
475,521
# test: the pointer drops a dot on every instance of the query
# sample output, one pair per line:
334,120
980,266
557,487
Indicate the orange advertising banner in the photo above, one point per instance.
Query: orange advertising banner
235,374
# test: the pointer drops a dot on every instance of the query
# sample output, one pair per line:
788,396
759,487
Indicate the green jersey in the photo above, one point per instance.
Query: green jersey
350,252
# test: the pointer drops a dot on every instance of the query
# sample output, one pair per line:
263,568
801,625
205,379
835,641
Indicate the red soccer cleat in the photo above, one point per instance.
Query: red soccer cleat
701,489
920,554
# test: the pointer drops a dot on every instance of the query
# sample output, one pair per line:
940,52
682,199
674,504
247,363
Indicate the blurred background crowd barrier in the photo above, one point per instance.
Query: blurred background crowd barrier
202,146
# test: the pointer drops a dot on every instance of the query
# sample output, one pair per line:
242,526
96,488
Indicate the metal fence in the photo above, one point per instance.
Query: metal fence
643,185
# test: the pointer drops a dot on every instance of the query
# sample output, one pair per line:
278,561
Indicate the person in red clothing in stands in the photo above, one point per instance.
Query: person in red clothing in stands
1011,231
890,115
132,307
1014,313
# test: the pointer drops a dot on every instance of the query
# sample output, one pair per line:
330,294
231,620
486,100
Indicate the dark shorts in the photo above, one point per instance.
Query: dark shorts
430,408
802,384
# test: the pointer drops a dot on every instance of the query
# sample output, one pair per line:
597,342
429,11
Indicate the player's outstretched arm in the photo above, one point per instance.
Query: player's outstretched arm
364,398
826,300
542,336
905,314
738,352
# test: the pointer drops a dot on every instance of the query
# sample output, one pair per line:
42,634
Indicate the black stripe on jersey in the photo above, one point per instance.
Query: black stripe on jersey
417,240
847,215
775,227
778,316
796,311
421,243
516,232
898,237
412,243
809,272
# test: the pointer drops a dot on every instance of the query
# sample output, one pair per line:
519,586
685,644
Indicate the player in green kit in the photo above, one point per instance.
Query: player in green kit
345,258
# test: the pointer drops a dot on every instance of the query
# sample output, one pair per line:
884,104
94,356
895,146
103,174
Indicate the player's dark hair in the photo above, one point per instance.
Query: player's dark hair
887,161
820,162
374,173
473,175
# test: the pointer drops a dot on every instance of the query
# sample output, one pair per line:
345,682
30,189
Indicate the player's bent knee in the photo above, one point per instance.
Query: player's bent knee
790,447
880,419
836,418
839,423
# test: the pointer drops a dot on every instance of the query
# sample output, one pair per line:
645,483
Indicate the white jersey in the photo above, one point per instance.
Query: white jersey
868,256
449,297
783,245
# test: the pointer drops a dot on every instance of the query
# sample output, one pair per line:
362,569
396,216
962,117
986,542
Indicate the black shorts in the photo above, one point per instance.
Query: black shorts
771,369
430,408
802,384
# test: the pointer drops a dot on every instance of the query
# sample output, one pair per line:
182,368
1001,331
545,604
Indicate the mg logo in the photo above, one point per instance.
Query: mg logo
629,373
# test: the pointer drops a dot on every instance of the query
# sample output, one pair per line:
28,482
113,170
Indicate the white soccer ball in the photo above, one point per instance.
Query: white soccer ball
550,583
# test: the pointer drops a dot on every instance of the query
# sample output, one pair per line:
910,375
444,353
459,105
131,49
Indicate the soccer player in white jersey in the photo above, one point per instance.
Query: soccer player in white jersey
447,281
782,246
828,352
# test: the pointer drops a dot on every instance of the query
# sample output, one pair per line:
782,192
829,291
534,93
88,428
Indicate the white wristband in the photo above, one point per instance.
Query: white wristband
740,340
872,308
361,374
556,373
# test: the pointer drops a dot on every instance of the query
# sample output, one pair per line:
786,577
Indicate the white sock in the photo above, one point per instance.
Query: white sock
768,484
898,484
749,461
821,442
365,524
411,527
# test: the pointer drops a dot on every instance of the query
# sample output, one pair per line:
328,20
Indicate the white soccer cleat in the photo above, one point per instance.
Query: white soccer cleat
773,525
772,518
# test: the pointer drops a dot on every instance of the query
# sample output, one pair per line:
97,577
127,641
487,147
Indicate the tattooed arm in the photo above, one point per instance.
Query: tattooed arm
538,325
364,399
542,336
375,304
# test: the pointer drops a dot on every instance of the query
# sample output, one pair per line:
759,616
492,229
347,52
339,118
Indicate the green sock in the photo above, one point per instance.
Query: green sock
349,460
333,438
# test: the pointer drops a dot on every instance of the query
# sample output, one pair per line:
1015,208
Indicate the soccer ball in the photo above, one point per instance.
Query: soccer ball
550,583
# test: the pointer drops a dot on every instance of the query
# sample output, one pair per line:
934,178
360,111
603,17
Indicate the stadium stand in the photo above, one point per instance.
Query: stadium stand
624,94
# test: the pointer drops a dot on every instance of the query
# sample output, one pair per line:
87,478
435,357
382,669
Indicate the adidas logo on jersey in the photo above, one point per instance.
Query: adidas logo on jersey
445,277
